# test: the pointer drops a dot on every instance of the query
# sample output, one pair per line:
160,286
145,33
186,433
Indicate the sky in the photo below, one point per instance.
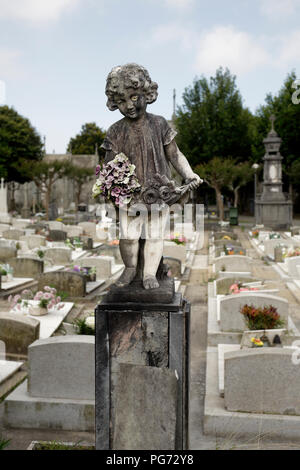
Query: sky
55,55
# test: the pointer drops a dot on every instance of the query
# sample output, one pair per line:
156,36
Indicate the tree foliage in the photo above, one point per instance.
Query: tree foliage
19,142
45,174
213,122
85,143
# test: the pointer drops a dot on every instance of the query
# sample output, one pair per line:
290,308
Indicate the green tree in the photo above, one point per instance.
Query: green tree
218,174
287,125
80,176
19,142
44,175
213,121
241,174
85,143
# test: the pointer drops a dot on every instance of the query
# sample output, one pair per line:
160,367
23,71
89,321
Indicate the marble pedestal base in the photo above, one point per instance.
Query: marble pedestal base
147,335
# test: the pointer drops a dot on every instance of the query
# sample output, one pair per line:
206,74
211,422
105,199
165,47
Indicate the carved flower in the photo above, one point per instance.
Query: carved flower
150,196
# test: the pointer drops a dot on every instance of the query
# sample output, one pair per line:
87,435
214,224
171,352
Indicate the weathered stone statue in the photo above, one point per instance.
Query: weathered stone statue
148,142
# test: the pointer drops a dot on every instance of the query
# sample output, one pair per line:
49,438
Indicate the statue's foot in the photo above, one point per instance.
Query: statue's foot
150,282
126,277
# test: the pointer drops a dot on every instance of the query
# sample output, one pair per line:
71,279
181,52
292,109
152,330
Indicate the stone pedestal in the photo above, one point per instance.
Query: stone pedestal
143,337
277,215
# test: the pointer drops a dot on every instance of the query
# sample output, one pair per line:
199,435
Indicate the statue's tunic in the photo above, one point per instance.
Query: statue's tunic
143,142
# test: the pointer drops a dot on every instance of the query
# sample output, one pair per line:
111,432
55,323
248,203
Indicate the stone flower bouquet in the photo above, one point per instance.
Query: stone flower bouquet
117,181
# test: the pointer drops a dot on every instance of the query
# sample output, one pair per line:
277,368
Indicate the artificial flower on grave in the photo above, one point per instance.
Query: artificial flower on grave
238,287
257,343
116,181
274,236
226,237
178,239
291,252
255,233
261,318
48,298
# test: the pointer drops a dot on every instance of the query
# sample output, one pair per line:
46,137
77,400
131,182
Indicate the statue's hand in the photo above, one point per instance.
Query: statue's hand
194,182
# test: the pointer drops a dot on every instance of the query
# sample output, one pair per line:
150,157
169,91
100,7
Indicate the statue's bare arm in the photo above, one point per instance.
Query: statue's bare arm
181,164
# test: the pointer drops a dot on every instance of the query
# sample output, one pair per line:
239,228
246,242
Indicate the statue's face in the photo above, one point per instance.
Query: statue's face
131,103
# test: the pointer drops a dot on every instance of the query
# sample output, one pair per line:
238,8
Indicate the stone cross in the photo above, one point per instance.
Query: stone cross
272,119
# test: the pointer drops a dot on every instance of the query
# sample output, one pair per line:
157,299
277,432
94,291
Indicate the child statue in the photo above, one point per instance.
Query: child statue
148,142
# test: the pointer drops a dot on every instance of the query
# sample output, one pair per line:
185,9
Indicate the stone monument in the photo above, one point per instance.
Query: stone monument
273,208
142,321
5,218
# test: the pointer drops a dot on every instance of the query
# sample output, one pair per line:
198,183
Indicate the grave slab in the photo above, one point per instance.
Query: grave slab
8,368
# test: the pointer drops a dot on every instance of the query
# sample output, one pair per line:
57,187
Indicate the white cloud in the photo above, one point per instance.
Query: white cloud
182,4
35,10
277,10
227,47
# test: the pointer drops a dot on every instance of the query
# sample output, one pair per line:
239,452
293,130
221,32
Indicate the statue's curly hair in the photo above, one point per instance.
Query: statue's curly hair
129,76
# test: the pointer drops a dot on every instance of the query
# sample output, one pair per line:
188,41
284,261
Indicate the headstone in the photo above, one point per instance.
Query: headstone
64,281
18,332
20,223
7,252
223,284
13,234
57,235
62,367
233,263
55,225
4,215
53,211
103,264
174,266
34,241
59,256
89,228
232,320
87,242
264,380
27,267
173,250
292,262
141,421
73,231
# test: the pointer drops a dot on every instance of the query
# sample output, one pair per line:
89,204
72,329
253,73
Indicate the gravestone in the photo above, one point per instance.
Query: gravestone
74,284
60,392
223,284
55,225
104,265
107,249
173,250
292,263
89,228
233,263
87,243
27,267
59,256
73,231
141,422
34,241
4,215
18,332
13,234
174,265
232,320
7,252
265,380
57,235
62,367
21,224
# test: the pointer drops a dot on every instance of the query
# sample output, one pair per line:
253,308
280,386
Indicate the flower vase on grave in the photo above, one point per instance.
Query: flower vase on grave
37,311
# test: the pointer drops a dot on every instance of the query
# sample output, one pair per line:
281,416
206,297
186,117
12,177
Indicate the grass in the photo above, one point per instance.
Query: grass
83,328
54,445
4,443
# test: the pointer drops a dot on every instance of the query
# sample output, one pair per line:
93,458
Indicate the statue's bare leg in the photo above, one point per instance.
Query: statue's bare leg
153,249
130,231
129,251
